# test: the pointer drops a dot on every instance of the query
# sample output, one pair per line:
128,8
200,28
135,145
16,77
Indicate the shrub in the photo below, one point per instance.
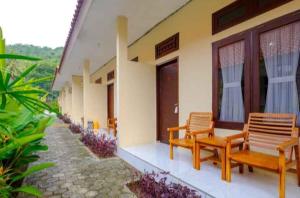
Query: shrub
155,185
101,145
75,128
65,118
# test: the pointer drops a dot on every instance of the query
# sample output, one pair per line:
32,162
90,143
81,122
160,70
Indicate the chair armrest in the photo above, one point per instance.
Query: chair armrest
177,128
236,136
287,144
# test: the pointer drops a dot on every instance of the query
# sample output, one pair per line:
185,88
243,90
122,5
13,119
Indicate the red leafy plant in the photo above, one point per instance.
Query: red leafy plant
75,128
65,118
155,185
101,145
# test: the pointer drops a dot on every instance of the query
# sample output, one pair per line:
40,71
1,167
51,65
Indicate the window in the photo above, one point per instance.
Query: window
110,75
230,81
98,81
258,76
241,10
167,46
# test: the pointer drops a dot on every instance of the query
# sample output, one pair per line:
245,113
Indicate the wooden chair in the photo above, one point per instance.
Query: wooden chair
112,124
198,123
275,132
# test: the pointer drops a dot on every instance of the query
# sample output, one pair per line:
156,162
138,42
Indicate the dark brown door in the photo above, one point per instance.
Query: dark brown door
167,99
110,101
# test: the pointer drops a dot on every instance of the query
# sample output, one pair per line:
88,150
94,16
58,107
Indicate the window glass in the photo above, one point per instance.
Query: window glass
231,59
280,52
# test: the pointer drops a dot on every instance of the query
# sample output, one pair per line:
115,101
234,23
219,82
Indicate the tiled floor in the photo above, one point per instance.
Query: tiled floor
260,184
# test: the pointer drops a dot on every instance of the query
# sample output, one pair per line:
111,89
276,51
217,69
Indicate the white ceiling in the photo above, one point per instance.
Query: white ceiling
94,36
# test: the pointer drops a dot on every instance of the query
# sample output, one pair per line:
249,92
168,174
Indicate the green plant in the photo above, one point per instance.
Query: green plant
22,125
21,90
21,134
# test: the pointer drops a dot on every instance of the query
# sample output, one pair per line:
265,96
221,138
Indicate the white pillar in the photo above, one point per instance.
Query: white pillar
121,60
135,95
86,83
77,99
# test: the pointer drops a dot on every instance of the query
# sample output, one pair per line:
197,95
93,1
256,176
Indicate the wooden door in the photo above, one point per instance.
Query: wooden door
167,99
110,101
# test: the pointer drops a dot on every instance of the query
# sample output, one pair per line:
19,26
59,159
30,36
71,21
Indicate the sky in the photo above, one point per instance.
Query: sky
36,22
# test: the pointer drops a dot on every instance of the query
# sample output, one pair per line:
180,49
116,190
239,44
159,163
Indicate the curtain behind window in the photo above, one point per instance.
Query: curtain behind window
280,48
232,63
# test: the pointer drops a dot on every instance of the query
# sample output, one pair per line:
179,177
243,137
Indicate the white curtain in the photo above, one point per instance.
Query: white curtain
280,48
232,63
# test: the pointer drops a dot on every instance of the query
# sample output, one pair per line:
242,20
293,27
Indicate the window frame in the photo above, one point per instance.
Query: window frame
252,10
251,67
243,36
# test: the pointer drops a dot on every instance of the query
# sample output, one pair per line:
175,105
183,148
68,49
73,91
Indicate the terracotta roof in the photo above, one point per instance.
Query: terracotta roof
72,27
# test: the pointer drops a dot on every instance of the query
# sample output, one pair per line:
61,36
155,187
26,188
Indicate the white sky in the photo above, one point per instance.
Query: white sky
36,22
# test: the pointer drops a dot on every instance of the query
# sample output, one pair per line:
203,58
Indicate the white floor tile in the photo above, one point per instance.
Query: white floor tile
260,184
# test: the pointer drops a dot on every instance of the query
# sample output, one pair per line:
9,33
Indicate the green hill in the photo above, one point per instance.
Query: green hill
46,67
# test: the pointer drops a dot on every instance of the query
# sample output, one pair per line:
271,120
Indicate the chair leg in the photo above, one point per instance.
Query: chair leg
228,165
282,184
223,163
241,166
282,174
250,168
217,156
171,151
197,156
297,157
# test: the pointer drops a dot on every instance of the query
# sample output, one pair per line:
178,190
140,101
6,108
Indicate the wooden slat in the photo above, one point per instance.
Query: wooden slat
264,126
251,128
273,124
199,120
268,130
275,120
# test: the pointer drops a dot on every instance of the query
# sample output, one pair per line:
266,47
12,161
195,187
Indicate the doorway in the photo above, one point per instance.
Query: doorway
110,101
167,99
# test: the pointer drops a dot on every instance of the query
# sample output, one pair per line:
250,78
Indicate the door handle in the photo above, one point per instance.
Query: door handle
176,108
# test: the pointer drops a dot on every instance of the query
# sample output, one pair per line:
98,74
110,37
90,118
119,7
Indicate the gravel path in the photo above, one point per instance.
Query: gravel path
78,173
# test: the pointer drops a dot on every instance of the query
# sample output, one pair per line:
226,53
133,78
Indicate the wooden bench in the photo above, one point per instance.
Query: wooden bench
197,124
274,132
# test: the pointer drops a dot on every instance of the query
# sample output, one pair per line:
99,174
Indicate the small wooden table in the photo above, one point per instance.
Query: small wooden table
215,142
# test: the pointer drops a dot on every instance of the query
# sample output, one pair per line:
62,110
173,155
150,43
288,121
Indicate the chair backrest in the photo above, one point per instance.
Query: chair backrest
267,130
199,120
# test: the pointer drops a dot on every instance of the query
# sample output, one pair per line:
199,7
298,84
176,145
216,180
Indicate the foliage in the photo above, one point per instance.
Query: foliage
22,125
21,90
46,67
101,145
75,128
21,132
151,184
65,118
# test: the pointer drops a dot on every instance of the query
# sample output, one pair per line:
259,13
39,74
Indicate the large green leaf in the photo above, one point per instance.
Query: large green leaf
34,81
16,143
34,148
22,75
33,169
29,190
19,57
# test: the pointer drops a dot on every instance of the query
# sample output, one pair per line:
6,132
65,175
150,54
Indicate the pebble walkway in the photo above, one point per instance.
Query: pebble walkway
78,173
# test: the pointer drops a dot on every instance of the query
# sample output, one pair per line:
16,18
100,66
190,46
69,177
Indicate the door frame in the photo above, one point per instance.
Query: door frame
108,102
158,68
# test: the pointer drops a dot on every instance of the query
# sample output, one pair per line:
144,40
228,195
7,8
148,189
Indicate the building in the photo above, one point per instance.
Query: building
151,63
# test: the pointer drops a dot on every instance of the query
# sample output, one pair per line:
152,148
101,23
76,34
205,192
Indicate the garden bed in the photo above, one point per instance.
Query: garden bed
101,145
155,185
